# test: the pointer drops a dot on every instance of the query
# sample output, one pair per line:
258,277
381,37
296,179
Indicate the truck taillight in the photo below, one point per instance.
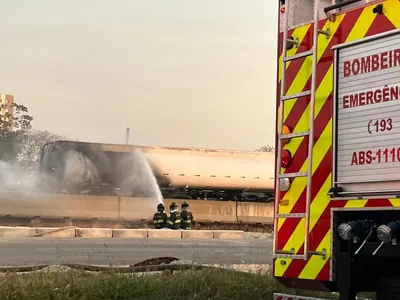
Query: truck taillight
286,158
285,130
284,184
282,3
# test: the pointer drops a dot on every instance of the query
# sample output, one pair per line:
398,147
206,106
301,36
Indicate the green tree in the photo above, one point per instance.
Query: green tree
15,122
33,143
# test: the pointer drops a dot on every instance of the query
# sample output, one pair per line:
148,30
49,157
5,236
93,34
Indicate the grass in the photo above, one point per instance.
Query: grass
188,285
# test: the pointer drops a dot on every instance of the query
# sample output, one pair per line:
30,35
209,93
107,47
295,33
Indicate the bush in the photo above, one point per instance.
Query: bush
188,285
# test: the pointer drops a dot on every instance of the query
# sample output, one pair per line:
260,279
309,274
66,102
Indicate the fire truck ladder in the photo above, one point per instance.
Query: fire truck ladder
310,133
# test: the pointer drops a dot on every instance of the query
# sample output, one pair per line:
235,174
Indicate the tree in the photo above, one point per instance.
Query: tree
15,122
266,148
34,142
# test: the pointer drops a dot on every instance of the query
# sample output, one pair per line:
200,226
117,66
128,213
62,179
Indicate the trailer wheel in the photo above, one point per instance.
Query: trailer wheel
388,289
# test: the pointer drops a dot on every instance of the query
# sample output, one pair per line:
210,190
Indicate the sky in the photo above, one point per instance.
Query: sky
185,73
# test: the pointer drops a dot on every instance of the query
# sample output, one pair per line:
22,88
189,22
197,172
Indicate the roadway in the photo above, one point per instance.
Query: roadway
115,251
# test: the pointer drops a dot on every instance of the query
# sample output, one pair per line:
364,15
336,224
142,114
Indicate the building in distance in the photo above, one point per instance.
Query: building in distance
6,107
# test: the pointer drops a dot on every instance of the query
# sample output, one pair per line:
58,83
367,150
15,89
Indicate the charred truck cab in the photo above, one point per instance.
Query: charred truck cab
337,199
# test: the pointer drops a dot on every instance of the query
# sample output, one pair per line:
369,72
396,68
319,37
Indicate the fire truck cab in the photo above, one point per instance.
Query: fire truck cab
337,199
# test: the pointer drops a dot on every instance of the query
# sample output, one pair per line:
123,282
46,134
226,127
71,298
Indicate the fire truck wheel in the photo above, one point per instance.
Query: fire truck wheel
388,289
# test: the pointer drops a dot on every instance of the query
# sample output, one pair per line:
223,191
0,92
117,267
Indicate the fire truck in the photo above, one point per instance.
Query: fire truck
337,189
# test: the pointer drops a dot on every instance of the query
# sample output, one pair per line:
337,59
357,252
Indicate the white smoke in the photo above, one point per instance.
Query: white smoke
79,169
13,177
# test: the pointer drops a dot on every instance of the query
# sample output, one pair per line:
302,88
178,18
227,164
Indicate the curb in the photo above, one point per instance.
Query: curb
71,231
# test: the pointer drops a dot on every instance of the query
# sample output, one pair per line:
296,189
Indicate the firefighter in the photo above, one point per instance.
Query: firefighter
174,220
160,217
186,215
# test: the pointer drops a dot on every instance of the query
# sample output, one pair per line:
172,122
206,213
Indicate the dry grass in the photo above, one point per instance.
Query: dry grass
188,285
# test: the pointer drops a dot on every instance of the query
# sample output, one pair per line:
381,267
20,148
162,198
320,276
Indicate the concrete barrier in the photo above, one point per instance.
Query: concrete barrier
56,232
58,205
136,209
120,209
164,234
251,213
94,232
228,234
197,234
17,232
129,233
208,211
117,233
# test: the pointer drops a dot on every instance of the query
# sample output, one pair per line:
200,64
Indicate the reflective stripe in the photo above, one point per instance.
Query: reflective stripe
170,222
187,221
177,221
290,234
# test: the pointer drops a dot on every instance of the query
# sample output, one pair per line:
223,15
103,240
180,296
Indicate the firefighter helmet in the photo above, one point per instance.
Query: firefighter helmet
160,207
185,204
173,206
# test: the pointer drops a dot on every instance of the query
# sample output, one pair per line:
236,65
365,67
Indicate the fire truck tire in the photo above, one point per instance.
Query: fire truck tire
388,289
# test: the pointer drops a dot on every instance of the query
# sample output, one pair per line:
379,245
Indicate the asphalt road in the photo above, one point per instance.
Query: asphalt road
35,251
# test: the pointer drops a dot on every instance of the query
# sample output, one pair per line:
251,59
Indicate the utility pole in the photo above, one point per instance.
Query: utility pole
127,135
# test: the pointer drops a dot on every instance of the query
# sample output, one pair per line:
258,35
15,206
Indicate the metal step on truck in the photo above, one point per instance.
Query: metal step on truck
337,199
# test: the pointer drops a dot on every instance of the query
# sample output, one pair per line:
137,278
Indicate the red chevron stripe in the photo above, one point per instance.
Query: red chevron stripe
320,123
290,224
324,169
292,70
295,65
378,203
301,103
323,225
318,178
323,66
289,70
324,273
380,24
318,231
297,265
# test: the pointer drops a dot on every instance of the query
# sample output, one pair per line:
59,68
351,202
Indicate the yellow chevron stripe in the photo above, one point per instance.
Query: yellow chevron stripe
395,202
298,85
305,71
297,238
359,30
303,124
391,10
355,203
313,267
315,207
309,270
300,34
299,183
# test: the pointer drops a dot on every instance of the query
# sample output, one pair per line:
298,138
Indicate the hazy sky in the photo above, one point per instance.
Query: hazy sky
195,73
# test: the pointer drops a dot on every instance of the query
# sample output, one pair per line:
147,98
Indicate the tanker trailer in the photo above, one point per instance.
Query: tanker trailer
179,172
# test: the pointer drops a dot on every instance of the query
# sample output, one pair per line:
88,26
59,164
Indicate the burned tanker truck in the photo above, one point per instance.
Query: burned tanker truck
186,173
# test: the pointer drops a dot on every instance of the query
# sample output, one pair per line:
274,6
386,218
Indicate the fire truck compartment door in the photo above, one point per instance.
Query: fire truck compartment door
367,115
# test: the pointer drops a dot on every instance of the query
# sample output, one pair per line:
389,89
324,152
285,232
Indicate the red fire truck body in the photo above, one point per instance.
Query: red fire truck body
337,200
